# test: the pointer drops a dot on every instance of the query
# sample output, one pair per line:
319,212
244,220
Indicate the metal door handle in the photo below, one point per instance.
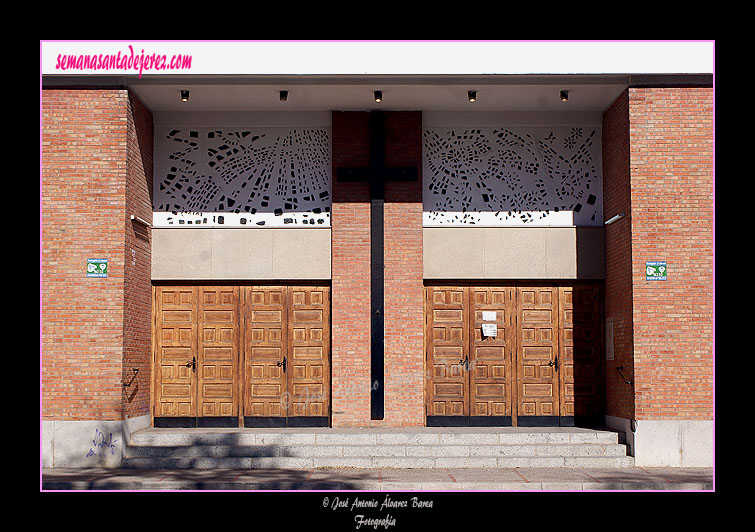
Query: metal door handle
465,363
282,363
553,363
192,364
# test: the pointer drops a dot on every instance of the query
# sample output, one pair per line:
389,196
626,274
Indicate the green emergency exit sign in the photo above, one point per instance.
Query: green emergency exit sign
96,267
656,270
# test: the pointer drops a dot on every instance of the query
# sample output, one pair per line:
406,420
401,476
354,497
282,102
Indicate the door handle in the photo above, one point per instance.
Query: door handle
282,363
192,364
554,363
465,363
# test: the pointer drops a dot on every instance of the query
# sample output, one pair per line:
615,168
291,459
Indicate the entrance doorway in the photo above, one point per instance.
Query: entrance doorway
521,354
287,347
241,355
469,371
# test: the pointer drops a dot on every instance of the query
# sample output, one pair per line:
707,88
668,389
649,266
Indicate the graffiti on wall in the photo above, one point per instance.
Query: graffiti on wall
102,444
252,177
512,176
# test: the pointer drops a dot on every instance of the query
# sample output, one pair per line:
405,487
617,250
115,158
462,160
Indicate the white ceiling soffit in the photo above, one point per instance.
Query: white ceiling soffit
345,97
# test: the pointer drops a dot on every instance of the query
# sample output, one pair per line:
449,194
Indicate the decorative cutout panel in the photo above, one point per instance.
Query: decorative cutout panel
242,177
512,176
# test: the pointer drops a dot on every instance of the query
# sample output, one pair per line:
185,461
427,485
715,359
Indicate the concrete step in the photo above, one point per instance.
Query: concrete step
375,463
418,436
370,449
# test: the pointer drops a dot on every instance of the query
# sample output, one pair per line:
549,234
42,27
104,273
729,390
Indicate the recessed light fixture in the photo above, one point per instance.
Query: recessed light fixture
283,96
564,96
184,96
472,95
378,96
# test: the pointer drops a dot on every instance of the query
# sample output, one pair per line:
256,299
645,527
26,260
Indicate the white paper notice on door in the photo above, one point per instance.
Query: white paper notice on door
488,315
489,329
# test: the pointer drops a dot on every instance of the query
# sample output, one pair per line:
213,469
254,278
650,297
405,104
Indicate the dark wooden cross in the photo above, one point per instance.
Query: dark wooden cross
377,174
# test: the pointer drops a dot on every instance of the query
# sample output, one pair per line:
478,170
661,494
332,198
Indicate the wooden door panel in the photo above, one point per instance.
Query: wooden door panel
490,355
206,367
307,369
448,330
265,347
543,366
537,310
176,336
580,349
218,353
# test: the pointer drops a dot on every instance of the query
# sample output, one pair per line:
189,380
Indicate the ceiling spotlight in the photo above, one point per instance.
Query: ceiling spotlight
184,96
283,96
378,96
472,95
564,96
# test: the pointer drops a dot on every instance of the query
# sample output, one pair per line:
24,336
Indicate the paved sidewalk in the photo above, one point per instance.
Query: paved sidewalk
504,479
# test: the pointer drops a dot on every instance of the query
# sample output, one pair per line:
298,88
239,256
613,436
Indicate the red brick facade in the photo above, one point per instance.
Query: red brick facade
350,271
96,172
404,359
671,150
404,291
658,167
137,342
618,239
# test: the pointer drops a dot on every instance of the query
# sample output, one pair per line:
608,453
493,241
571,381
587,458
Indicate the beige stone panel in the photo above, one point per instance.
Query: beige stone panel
301,254
240,254
181,254
515,253
453,253
560,258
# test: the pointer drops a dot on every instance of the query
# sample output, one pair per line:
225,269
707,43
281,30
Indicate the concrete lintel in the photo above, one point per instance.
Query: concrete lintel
233,254
514,253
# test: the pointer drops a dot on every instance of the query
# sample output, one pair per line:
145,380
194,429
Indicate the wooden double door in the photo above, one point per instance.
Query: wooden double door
241,355
516,354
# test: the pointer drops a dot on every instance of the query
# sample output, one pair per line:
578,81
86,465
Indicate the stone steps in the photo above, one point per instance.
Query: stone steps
424,448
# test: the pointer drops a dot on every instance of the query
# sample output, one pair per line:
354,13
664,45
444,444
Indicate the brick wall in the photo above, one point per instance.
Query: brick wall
404,288
658,166
351,276
138,261
671,152
88,168
618,245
